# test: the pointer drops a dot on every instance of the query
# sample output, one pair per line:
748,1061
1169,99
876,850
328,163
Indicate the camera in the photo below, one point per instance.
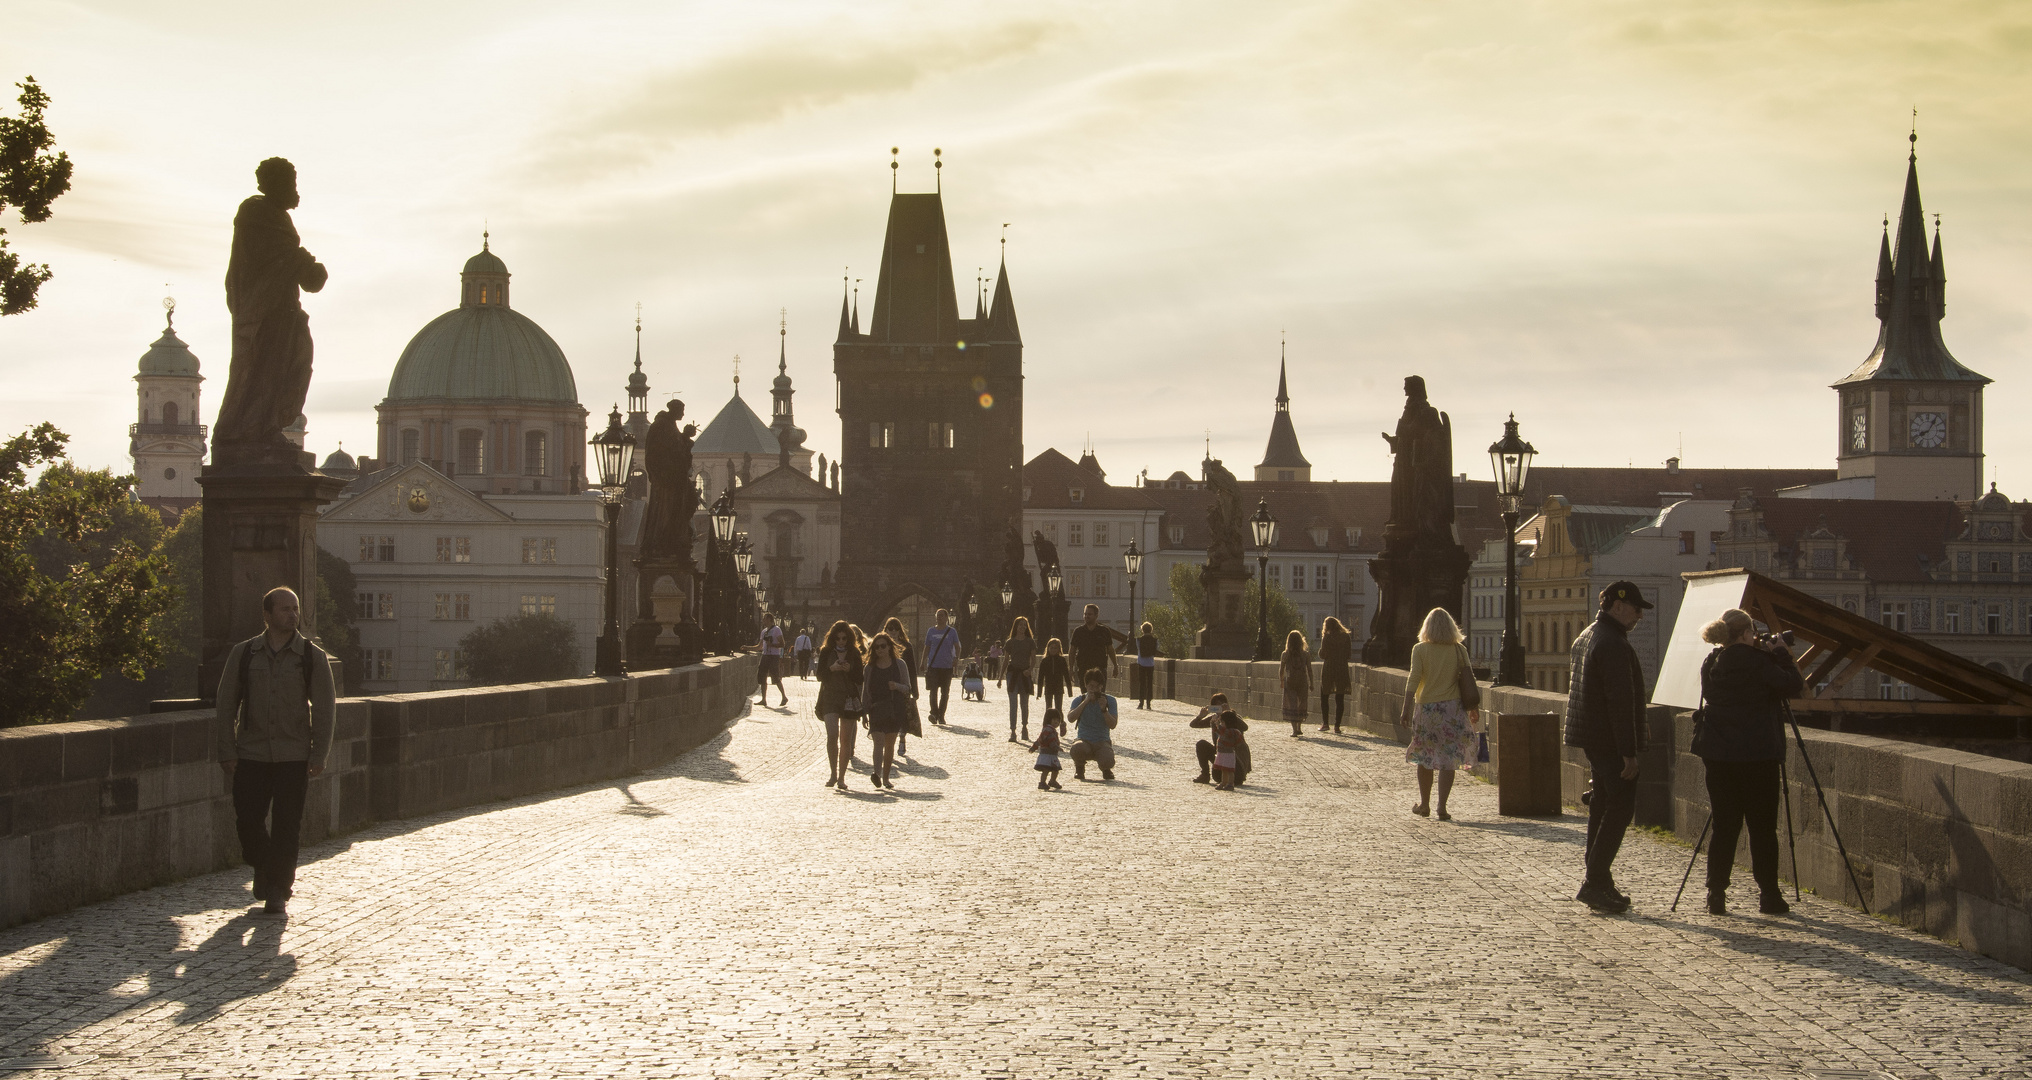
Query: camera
1772,641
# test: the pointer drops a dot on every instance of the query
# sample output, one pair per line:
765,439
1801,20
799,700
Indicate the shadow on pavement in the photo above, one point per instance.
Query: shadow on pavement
1839,949
1547,831
958,730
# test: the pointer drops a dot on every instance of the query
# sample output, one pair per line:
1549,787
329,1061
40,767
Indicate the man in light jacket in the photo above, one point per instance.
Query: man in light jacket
276,701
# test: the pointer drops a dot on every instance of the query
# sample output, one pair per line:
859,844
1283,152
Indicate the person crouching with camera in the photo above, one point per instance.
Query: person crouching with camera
1740,737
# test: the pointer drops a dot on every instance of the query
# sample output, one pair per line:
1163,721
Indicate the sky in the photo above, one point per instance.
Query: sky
1648,229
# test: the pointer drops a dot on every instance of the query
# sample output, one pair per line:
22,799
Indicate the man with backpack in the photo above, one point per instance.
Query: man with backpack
275,702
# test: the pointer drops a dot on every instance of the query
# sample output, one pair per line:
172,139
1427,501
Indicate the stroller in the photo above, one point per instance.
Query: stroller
972,686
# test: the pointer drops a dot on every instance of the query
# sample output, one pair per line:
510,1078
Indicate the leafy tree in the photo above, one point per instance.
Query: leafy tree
80,593
183,627
1177,621
336,632
522,648
31,178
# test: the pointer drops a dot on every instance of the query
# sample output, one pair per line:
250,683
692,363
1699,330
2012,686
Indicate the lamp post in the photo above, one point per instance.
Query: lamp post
1265,528
744,565
717,551
1132,564
1054,580
1511,458
613,449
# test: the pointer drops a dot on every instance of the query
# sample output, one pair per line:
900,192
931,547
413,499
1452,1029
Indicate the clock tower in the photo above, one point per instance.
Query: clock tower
1911,417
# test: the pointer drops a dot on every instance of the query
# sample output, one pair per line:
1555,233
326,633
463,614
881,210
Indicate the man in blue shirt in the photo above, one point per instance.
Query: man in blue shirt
941,651
1094,714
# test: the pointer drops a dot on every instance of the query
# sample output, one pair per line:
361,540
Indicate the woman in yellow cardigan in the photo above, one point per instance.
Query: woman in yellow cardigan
1442,732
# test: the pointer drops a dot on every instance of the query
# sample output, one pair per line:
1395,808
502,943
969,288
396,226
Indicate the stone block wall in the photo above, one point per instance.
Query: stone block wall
96,808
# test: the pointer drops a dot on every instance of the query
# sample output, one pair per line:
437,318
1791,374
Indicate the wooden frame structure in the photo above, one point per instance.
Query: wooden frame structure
1841,646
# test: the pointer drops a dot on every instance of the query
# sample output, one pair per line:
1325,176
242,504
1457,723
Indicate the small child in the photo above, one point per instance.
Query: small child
972,686
1047,751
1227,739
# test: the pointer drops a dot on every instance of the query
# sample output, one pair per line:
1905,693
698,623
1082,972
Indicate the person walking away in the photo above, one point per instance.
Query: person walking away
1336,649
1048,764
1740,739
1227,741
1206,751
1093,646
941,655
1094,714
803,649
1442,731
770,641
275,706
1294,673
913,725
1605,719
1145,672
1020,650
887,692
1054,675
995,662
840,677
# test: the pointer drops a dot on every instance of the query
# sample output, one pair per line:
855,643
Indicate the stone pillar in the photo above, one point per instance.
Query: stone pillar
1226,635
260,532
666,631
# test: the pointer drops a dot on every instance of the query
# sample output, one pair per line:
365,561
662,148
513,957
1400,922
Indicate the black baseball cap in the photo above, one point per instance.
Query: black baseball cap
1628,593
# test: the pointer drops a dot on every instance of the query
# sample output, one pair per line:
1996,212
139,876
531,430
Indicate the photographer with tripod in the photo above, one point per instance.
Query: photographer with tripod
1740,738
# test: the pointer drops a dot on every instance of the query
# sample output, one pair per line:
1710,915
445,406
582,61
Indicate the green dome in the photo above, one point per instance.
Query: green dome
480,352
486,262
169,356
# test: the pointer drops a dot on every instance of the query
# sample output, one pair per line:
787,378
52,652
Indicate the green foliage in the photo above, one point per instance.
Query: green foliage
336,632
31,178
81,585
522,648
183,626
1178,621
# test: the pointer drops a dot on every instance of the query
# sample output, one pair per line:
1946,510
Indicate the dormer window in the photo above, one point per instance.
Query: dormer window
1319,533
1078,495
1177,534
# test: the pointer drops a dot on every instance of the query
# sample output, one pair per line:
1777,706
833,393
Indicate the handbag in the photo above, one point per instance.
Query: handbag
1481,748
1470,690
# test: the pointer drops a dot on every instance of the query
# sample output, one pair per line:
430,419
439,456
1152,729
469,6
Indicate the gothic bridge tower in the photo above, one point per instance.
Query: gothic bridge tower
931,415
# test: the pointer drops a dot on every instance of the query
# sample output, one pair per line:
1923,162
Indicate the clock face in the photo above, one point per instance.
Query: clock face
1929,429
1859,430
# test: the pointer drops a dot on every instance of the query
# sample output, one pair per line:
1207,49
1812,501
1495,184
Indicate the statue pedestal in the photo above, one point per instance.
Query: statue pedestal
1226,635
664,634
1413,575
260,533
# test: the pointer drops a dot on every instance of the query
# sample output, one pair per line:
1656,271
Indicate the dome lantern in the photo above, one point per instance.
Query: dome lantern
485,278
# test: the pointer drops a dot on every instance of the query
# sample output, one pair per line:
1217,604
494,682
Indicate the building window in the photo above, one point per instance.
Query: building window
380,664
1322,578
539,549
377,549
453,606
1075,533
1993,618
470,459
533,604
1277,575
536,454
411,441
1894,615
940,436
1686,543
1101,583
1076,583
448,664
368,605
1051,532
1100,534
454,549
1177,534
1077,495
881,436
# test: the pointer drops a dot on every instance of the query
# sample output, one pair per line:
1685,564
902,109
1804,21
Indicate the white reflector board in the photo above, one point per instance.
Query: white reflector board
1679,674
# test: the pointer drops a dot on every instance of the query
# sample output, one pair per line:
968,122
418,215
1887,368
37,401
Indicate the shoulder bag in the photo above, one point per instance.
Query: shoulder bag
1464,680
1703,732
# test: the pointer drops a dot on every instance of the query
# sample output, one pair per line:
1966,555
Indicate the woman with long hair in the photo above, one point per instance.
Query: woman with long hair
1144,674
1442,731
901,639
840,666
886,694
1741,741
1294,673
1020,652
1054,675
1336,649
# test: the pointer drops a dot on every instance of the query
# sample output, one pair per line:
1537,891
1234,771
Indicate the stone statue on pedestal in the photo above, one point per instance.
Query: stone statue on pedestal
270,372
1224,633
666,632
1423,565
673,497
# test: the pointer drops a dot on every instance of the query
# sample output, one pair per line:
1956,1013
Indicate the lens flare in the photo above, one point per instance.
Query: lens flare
987,401
980,384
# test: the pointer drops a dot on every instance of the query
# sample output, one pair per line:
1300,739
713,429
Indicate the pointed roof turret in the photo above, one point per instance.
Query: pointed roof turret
1910,304
846,327
1002,312
914,298
1939,274
1282,453
1884,269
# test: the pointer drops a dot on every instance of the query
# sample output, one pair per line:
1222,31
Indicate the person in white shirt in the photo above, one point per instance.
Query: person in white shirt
771,644
803,650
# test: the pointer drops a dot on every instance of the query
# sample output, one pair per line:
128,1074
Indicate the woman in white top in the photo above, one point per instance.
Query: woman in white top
1442,732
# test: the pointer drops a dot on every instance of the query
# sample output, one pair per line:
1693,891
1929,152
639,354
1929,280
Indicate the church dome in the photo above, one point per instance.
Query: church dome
483,349
339,460
169,356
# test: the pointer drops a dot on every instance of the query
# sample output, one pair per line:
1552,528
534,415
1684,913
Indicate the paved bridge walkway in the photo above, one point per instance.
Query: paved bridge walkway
729,916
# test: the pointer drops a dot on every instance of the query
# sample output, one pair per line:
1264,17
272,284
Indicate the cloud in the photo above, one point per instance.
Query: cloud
767,82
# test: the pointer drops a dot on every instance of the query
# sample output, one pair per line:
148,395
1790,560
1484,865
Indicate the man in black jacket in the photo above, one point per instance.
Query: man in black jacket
1605,718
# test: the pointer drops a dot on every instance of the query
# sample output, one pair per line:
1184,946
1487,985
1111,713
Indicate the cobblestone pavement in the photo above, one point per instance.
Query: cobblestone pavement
730,916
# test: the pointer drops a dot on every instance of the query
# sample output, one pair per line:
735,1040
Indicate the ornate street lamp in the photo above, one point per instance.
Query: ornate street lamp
716,590
1265,528
1008,594
1054,581
1132,563
1511,457
613,449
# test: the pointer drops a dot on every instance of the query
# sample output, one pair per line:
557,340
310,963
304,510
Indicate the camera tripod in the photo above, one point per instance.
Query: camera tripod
1791,844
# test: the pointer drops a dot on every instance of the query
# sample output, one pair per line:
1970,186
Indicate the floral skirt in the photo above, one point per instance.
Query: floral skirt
1440,736
1295,701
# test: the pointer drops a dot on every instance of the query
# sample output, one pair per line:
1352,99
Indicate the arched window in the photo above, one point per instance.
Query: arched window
536,454
470,461
411,439
169,414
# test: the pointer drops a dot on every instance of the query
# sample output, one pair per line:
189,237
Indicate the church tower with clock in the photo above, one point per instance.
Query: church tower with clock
1911,416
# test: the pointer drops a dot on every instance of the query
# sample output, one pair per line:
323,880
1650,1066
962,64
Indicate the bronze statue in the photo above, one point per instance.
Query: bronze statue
1421,477
270,372
1012,554
1047,552
1227,523
673,496
1421,566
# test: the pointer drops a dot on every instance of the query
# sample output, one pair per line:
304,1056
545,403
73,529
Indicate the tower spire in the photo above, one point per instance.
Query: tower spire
1283,397
846,327
1282,459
